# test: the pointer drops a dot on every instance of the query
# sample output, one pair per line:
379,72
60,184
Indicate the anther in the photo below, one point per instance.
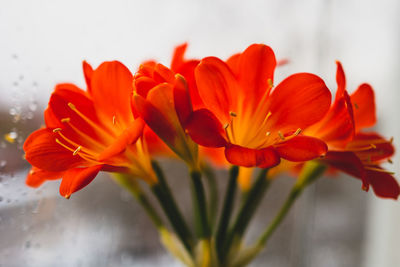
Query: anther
233,114
297,132
373,146
113,119
390,161
66,120
268,133
270,83
31,172
391,140
281,136
76,150
356,106
56,130
226,125
72,106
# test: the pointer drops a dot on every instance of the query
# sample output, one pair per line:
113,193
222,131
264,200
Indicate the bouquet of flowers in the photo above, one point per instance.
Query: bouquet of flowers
209,113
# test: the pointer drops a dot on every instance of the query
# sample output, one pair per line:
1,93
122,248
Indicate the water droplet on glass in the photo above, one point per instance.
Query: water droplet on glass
32,106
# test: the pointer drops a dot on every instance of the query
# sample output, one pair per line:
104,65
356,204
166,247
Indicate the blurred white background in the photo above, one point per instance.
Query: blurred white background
44,42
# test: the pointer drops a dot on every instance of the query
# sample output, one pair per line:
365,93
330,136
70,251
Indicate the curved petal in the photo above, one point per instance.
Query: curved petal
383,184
217,85
349,163
340,80
337,127
205,129
182,103
371,147
297,102
127,137
363,100
301,148
178,57
247,157
88,72
215,156
37,177
75,179
43,152
111,92
256,73
233,63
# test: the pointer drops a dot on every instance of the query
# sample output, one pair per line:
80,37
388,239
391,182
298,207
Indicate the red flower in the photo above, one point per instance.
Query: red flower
356,153
257,125
89,131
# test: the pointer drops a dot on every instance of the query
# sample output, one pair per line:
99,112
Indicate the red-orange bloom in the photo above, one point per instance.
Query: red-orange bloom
89,131
162,99
257,125
350,150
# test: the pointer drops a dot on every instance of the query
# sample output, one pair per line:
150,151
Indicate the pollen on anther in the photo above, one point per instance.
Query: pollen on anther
72,106
373,146
113,120
270,83
268,133
390,161
226,125
56,130
31,172
297,132
66,120
233,114
281,136
77,150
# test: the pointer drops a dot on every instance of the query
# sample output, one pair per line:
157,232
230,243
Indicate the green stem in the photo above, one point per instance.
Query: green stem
199,206
171,210
213,198
133,187
226,211
247,209
310,172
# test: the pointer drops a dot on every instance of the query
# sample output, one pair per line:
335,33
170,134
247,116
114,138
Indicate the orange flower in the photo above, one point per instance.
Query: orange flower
350,150
257,125
162,99
89,131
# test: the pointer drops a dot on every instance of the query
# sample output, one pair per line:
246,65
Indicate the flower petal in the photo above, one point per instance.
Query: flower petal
205,129
349,163
383,184
127,137
301,148
363,100
88,72
112,90
217,84
371,147
182,103
178,57
297,102
37,177
247,157
43,152
75,179
256,73
340,80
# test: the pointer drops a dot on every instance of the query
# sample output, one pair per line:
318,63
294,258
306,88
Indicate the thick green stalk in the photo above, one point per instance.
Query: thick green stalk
133,187
171,210
226,211
199,206
247,210
213,195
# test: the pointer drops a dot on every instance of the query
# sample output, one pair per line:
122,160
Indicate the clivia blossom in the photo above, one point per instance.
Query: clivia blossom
89,131
351,150
255,123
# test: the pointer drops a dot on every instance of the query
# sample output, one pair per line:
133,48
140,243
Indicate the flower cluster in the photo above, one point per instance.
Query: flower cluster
209,111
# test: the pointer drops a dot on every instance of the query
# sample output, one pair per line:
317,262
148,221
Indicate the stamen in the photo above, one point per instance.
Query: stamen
390,161
281,136
64,146
268,133
226,125
76,151
56,130
391,140
113,119
373,146
65,120
31,172
72,106
379,170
